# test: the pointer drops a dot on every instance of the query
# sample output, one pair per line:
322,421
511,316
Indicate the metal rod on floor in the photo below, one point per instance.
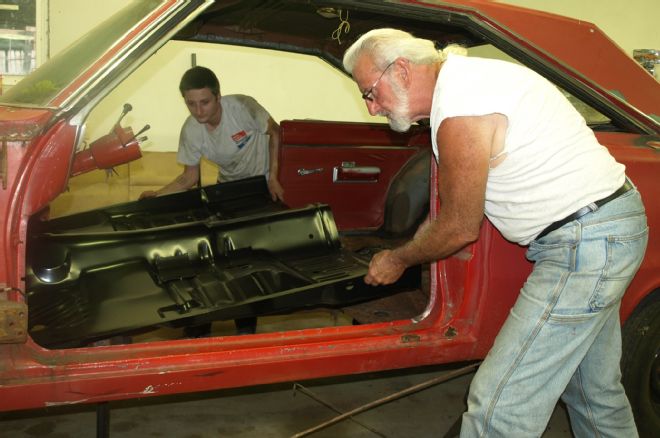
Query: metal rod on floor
310,394
415,388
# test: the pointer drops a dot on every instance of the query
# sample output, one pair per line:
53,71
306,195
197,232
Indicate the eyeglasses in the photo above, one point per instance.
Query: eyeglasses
368,95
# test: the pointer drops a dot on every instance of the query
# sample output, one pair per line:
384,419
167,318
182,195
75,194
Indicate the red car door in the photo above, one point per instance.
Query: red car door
351,167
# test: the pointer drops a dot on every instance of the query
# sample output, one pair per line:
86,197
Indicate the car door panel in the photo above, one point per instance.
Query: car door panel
347,166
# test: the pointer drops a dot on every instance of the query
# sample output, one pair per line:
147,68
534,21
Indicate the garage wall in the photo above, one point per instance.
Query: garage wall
276,79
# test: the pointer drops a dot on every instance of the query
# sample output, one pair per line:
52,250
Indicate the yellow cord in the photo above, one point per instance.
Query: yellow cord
344,26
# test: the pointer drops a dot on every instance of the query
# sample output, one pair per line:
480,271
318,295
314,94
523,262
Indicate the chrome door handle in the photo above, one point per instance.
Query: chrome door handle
302,171
349,172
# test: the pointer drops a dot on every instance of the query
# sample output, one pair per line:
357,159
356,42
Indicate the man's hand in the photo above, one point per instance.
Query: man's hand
275,189
384,268
148,194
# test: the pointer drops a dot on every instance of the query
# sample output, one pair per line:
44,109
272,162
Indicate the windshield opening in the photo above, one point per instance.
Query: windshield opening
41,87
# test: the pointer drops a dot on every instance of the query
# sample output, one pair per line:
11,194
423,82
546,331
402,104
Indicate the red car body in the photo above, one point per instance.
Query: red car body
470,292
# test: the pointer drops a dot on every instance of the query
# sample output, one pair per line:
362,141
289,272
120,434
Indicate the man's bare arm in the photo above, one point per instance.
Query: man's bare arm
185,181
274,186
465,145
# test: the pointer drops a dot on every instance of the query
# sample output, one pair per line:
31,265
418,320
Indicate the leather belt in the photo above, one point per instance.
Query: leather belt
584,210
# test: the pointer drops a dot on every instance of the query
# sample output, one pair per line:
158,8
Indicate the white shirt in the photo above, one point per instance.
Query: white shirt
238,145
553,162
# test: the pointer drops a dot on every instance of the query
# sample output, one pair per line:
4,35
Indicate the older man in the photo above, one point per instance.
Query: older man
510,146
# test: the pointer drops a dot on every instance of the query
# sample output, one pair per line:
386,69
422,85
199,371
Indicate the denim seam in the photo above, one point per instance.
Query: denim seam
588,220
605,273
573,318
590,416
629,238
593,305
525,347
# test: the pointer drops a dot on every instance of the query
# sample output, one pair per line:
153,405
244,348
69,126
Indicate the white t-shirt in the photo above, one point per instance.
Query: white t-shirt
554,164
238,145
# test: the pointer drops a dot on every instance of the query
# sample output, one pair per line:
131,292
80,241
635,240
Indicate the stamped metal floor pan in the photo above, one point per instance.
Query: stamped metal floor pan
216,253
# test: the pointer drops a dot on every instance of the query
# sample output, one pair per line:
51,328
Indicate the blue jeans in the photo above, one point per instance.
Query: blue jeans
562,337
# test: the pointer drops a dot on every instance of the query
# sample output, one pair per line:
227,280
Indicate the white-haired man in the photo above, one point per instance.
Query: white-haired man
509,146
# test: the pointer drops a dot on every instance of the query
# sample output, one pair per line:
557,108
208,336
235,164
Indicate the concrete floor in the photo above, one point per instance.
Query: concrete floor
274,411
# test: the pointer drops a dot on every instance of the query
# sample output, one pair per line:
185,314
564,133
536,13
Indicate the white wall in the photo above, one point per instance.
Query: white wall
275,78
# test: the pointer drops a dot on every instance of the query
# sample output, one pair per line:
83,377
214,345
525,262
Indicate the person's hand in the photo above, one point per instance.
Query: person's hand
384,268
148,194
275,189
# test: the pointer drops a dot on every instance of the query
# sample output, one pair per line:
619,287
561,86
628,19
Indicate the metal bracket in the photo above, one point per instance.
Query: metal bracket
13,322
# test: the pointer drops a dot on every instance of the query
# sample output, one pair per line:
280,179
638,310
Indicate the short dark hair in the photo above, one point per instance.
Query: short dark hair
199,77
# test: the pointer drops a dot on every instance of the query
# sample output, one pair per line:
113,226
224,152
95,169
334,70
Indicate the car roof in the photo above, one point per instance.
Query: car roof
576,50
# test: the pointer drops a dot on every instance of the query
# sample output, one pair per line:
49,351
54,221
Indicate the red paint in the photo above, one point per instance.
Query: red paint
471,292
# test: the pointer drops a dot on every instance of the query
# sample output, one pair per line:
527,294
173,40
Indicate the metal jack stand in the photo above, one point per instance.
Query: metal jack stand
103,420
349,415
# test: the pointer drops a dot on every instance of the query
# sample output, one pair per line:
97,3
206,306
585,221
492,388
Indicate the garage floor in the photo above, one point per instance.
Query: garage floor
274,411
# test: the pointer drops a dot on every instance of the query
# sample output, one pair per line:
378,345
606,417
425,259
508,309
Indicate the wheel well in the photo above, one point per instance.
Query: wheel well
640,338
650,298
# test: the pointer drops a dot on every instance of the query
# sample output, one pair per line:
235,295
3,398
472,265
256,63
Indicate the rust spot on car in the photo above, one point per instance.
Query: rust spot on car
13,322
451,332
407,339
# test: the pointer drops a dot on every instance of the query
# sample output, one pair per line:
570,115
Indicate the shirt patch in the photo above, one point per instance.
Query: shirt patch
240,138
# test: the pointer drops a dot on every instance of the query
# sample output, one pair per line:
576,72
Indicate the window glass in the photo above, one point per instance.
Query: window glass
46,82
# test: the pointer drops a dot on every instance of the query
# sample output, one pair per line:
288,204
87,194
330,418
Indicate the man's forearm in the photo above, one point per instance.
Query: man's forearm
273,149
273,156
180,184
434,240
